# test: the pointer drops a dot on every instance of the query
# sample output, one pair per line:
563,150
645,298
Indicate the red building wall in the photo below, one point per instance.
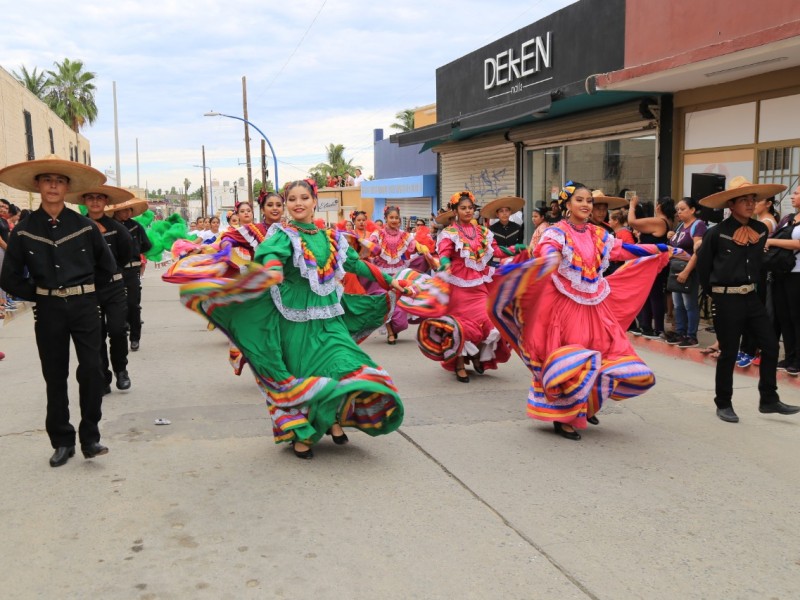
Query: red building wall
659,29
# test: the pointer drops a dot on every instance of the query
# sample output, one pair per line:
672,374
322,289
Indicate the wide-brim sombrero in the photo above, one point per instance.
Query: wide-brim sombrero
613,202
740,186
444,218
137,205
114,195
22,176
511,202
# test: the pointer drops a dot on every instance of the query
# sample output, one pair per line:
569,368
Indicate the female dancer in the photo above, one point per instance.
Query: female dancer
271,206
390,250
359,219
465,250
246,237
566,321
297,336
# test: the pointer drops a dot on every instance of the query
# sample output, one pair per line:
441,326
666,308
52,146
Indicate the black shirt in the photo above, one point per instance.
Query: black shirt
121,245
5,230
721,261
508,234
141,243
59,253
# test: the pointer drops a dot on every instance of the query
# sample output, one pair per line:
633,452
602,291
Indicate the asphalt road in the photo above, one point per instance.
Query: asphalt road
470,499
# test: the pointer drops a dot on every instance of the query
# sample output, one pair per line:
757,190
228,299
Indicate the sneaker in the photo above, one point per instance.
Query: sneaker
653,334
756,361
743,360
782,364
635,330
673,337
689,342
794,371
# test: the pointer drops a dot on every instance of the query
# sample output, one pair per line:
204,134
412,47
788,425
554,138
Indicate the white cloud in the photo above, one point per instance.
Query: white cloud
173,60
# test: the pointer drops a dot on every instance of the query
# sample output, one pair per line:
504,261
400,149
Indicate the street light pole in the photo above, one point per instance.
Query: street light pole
271,149
211,185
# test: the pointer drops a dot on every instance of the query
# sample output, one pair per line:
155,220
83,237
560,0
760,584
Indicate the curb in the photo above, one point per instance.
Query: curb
696,355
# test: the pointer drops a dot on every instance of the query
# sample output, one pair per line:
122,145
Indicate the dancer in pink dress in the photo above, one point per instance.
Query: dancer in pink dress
567,322
465,331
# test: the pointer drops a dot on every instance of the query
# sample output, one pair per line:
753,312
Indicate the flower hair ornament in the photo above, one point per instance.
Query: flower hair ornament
389,209
458,196
308,183
566,193
355,213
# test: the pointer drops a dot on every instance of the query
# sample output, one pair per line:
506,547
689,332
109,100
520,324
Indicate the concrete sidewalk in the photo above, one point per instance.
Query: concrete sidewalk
471,499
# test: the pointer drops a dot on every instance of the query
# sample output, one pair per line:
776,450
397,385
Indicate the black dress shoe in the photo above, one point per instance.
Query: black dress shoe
779,407
107,390
123,381
727,415
340,440
303,454
134,345
570,435
93,449
593,420
62,455
477,365
462,378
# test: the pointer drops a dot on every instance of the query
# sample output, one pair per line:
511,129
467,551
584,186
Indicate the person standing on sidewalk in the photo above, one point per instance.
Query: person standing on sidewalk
61,250
110,286
729,265
132,271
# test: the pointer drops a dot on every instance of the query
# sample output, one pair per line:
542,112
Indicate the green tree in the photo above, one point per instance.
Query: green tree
257,185
336,165
70,93
36,81
197,194
405,120
186,184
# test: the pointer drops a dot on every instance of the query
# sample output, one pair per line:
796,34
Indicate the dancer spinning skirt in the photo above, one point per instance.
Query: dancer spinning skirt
567,322
290,320
391,250
247,236
465,332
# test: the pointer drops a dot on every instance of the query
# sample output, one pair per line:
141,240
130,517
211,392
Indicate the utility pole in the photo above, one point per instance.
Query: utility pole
137,163
205,187
263,164
247,140
116,132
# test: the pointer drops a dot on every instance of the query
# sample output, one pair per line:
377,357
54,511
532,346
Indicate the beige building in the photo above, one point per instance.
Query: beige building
29,130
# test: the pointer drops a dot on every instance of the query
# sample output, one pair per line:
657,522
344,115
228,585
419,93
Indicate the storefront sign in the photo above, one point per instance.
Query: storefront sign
510,65
327,204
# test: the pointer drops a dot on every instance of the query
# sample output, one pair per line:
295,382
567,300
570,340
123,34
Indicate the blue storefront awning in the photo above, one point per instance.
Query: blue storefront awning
415,186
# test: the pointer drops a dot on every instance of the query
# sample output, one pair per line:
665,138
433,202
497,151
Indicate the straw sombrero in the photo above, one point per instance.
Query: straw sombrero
444,218
740,186
598,197
115,194
137,205
490,210
22,176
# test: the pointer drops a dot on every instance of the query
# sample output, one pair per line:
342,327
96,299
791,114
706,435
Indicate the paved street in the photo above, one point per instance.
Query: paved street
471,499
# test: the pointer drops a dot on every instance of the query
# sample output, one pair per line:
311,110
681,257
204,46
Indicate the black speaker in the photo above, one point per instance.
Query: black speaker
705,184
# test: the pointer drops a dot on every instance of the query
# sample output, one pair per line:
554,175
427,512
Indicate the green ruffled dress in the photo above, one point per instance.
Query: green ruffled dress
299,336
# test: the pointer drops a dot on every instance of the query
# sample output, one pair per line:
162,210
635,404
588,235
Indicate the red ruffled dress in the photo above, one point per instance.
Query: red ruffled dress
567,322
466,329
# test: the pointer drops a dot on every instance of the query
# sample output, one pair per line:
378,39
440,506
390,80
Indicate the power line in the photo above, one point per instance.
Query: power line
314,20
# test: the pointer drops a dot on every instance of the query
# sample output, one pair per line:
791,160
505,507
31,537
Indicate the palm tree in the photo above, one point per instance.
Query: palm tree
336,165
406,120
36,81
70,93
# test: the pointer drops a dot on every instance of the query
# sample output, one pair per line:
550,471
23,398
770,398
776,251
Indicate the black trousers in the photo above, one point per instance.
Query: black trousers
735,315
786,295
133,284
113,312
58,320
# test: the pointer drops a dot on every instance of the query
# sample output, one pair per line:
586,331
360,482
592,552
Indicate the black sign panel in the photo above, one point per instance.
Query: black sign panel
583,39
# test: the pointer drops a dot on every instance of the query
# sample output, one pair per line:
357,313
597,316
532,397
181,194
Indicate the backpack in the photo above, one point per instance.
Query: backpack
781,260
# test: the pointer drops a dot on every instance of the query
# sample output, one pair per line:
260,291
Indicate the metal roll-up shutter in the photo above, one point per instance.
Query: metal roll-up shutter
610,121
419,208
488,172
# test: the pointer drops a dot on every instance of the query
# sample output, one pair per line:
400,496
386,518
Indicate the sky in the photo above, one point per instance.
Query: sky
318,72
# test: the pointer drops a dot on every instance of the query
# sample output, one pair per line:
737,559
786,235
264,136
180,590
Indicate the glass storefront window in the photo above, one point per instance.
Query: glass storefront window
610,165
